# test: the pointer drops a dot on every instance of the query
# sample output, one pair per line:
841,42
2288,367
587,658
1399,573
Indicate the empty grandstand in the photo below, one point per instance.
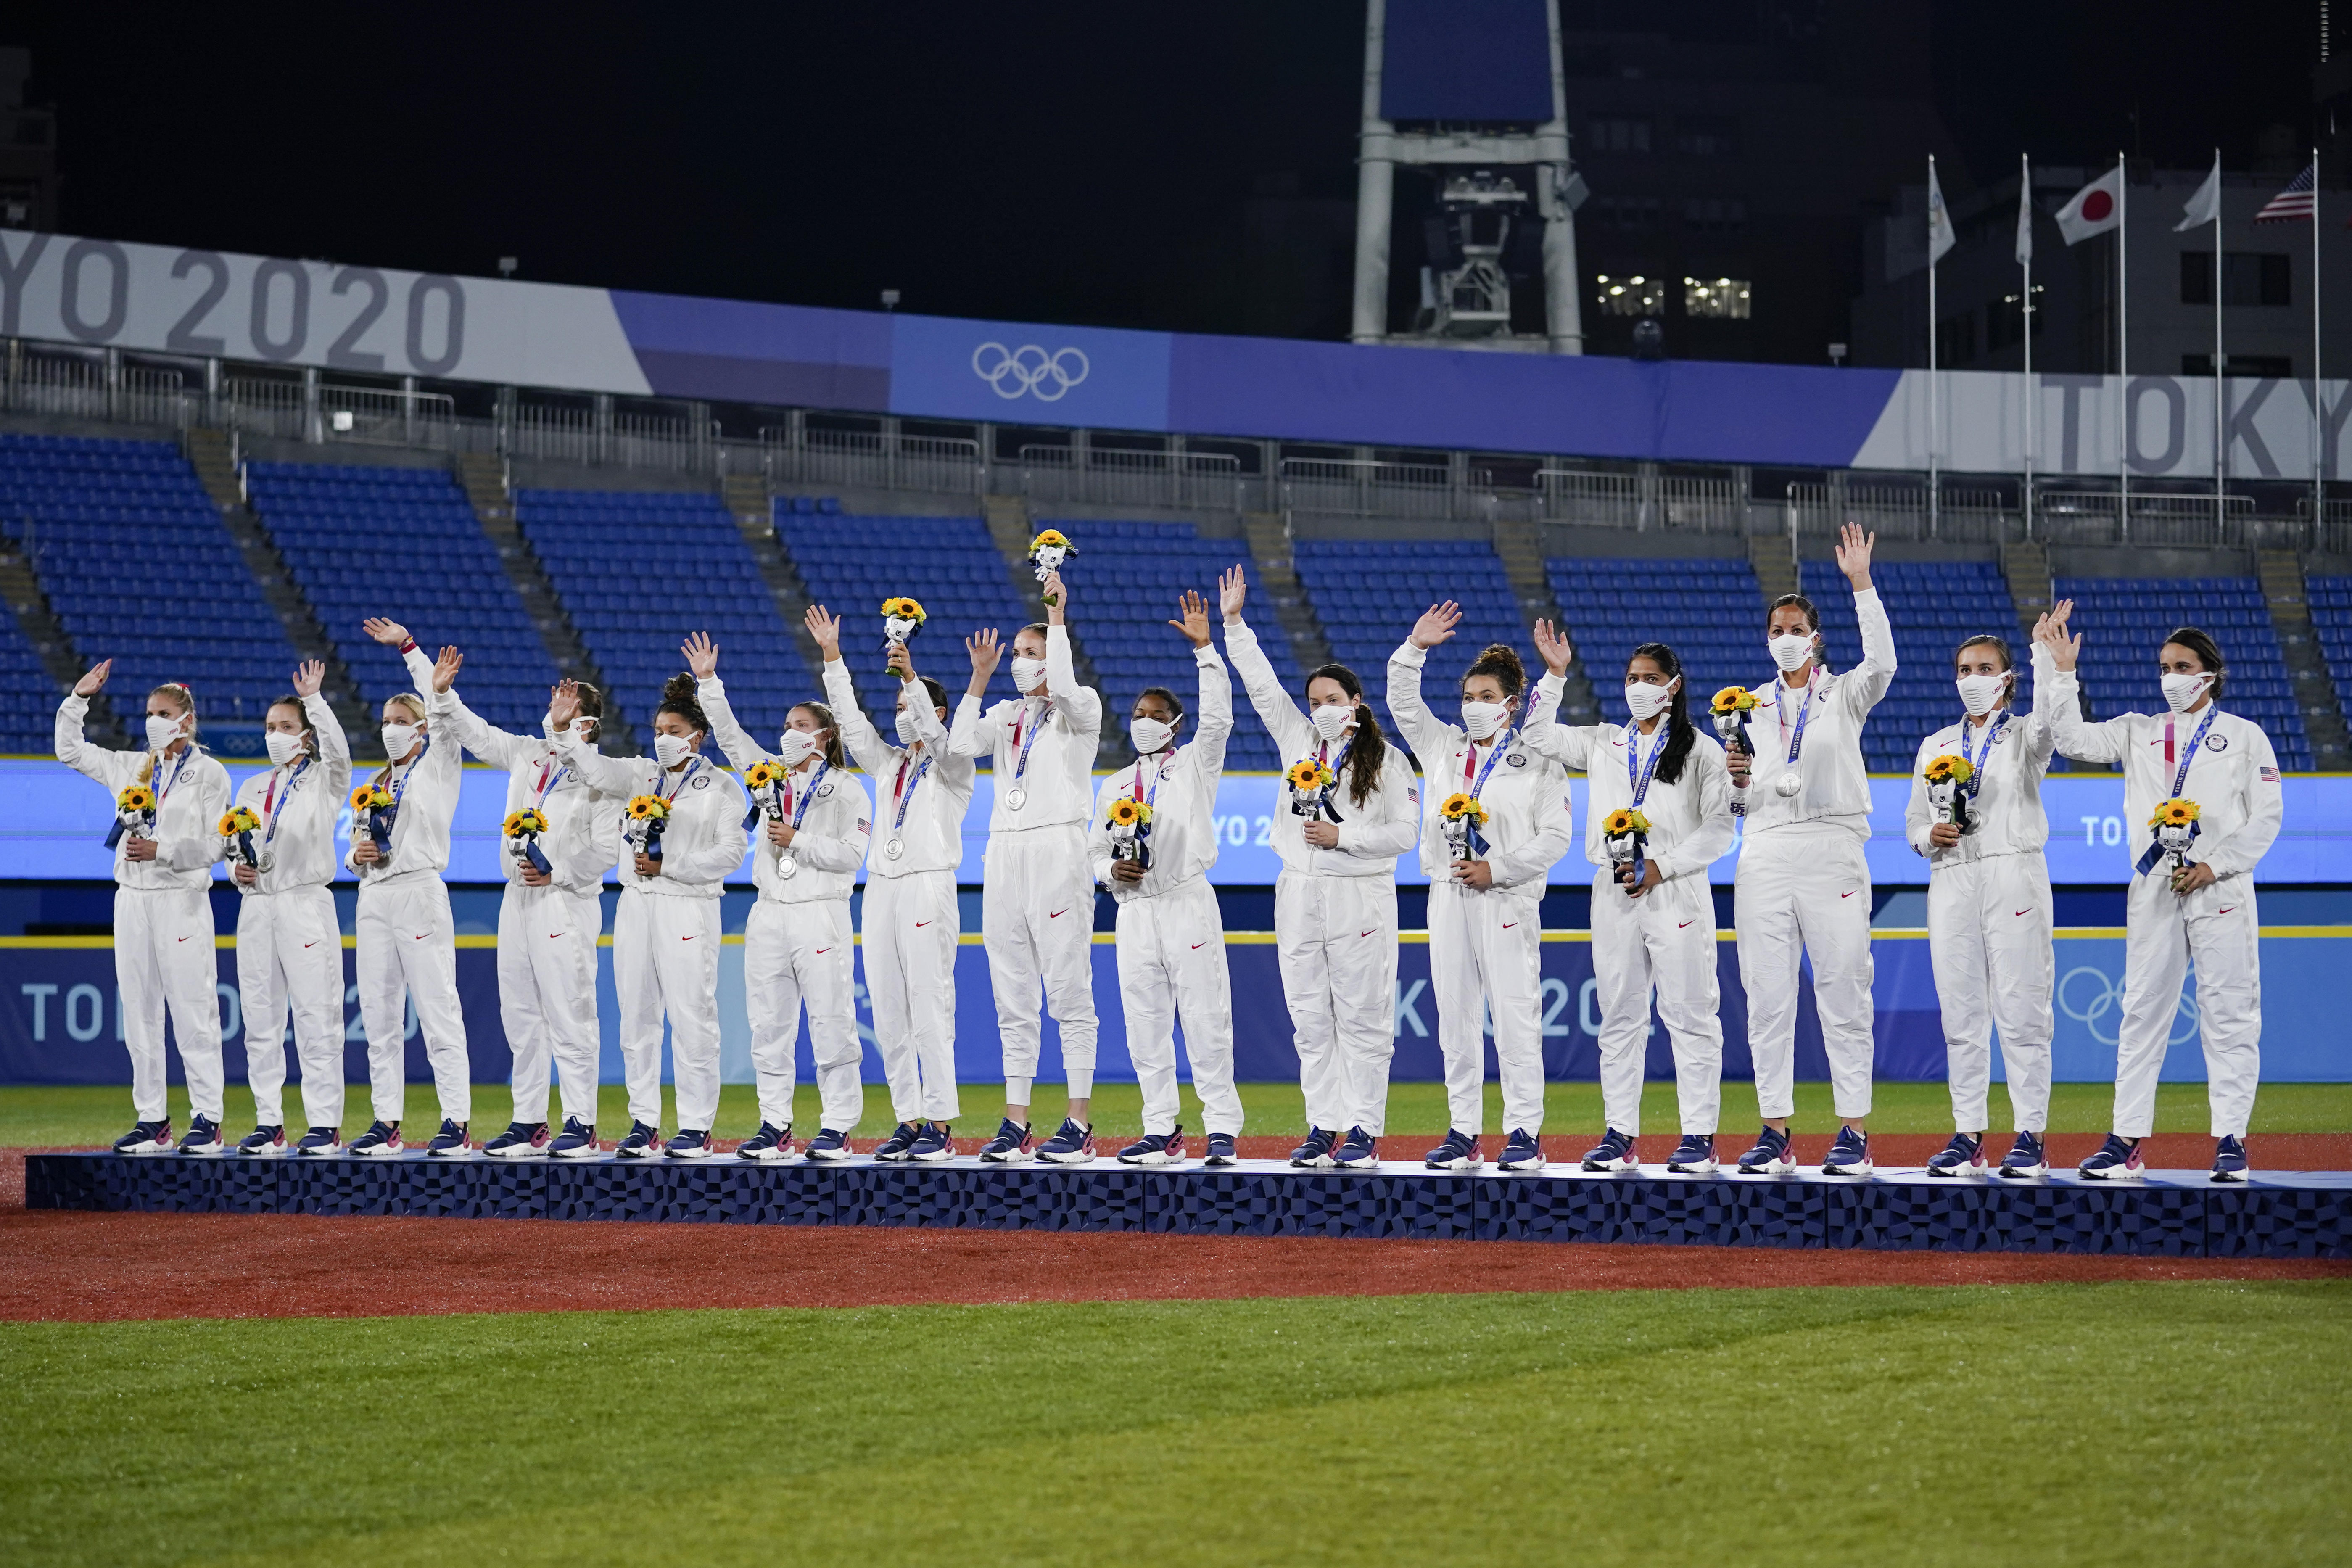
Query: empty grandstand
1709,611
2330,599
27,700
1368,593
1931,605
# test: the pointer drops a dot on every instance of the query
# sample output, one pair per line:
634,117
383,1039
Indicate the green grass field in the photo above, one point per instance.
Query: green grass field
2084,1424
74,1117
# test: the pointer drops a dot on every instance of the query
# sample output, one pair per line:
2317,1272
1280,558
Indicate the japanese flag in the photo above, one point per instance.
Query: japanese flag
2096,208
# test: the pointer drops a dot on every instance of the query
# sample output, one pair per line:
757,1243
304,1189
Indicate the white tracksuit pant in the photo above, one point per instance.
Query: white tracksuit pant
794,954
912,924
1665,939
289,958
1806,894
2218,929
1485,958
407,940
547,997
1171,965
1336,942
1037,922
164,957
666,961
1988,932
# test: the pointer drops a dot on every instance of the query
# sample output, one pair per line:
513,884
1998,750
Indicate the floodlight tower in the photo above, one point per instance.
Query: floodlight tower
1479,86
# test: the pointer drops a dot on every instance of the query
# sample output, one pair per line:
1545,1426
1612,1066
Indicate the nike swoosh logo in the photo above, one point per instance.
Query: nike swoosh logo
1508,924
1687,924
1367,932
306,946
553,934
2216,911
920,924
1849,893
1199,945
181,939
687,938
1057,914
2023,912
822,951
420,935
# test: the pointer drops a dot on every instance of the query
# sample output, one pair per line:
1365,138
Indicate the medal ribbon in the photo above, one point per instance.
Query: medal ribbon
1640,785
275,809
2180,778
1797,744
1993,728
1020,762
907,798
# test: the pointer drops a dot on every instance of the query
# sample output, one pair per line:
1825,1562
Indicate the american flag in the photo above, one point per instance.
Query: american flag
2299,200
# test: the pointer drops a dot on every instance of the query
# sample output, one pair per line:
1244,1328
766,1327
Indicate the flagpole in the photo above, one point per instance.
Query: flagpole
2123,341
2220,387
1935,416
2319,425
2025,317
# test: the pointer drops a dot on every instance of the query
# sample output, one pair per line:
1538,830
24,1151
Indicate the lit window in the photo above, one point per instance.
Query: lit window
1725,299
1635,296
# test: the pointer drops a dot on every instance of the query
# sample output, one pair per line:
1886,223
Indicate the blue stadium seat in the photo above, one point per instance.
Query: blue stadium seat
1933,606
1708,610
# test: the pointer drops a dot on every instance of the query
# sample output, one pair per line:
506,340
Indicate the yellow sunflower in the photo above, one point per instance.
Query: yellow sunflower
1733,700
903,609
241,819
2175,814
1309,772
1457,807
1624,820
529,819
1948,769
1128,812
1052,538
370,797
647,808
136,797
762,774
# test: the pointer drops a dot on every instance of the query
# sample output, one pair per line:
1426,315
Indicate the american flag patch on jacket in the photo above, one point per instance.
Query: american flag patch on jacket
1413,794
863,826
2269,775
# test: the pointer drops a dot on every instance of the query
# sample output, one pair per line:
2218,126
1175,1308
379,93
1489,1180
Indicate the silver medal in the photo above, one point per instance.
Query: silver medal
1789,783
788,866
1015,798
895,848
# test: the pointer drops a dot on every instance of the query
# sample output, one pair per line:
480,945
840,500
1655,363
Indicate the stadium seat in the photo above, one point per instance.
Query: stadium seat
28,701
1708,610
1931,605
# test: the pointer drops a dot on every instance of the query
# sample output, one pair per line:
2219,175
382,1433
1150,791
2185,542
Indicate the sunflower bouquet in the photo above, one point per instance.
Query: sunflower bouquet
1311,779
1459,818
372,812
1129,822
522,829
1627,833
1730,708
1047,552
134,813
641,823
764,782
236,828
1947,778
2175,828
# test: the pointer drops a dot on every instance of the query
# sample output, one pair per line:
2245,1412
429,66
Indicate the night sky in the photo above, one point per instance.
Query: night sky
1061,162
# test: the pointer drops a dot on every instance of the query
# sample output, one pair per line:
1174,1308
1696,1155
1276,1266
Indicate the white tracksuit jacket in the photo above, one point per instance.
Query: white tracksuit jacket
1335,911
1485,944
799,945
913,919
1988,914
2234,780
163,912
665,932
1037,901
1665,938
407,936
289,944
1803,886
547,935
1171,935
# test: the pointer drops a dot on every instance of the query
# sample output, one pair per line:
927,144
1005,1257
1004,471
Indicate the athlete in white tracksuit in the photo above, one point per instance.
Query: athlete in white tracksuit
549,923
289,944
1802,888
665,932
912,919
1988,914
2204,914
1038,899
1335,904
162,908
1171,935
1486,906
808,840
1655,931
407,937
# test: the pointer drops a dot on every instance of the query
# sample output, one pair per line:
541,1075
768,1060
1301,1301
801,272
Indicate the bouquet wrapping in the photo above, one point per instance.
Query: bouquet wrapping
1046,553
1311,779
523,830
134,813
237,829
643,822
1948,777
372,812
2175,826
1129,822
1460,818
1627,833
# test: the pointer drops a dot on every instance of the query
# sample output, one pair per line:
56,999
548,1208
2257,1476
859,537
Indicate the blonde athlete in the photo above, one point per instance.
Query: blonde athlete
289,944
162,907
809,835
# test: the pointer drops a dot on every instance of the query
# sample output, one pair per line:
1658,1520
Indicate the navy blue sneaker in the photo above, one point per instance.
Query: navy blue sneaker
1458,1152
1012,1145
576,1142
2025,1159
1963,1156
262,1144
1315,1154
691,1143
1614,1153
768,1145
520,1141
937,1144
319,1142
1155,1149
902,1138
1521,1151
1849,1156
1694,1157
2117,1160
828,1145
1221,1150
145,1138
204,1137
1361,1151
643,1142
1772,1155
2229,1162
381,1139
1071,1144
450,1143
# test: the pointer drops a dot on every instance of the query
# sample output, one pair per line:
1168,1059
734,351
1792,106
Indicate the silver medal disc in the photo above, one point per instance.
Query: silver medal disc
1015,798
895,848
788,866
1789,783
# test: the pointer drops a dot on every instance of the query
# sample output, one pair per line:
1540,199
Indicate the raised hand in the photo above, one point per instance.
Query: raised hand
563,703
1557,655
445,668
90,684
986,650
1233,588
826,629
1193,618
2050,631
1057,599
701,655
309,677
392,634
1436,625
1854,549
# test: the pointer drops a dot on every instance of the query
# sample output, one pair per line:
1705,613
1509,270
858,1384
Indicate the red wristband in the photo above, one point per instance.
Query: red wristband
408,648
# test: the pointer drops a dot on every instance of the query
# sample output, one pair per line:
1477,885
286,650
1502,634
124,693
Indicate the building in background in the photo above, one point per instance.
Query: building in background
28,149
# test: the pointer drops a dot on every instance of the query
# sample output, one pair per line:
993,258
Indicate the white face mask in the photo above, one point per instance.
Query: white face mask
162,731
397,739
906,733
1647,701
1028,674
1150,735
671,750
283,748
2180,690
583,729
1483,719
1791,649
795,747
1332,720
1980,694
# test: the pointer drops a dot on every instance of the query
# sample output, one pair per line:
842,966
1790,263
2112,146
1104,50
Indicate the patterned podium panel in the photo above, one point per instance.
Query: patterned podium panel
2172,1213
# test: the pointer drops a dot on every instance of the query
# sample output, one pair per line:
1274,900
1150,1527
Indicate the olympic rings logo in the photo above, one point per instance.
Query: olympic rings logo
1029,369
2097,1004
